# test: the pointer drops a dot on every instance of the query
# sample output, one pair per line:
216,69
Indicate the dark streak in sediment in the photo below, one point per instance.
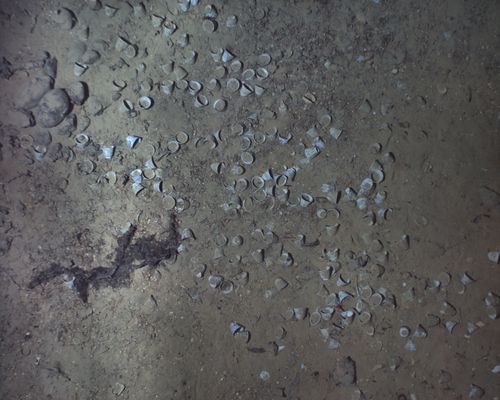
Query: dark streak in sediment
129,256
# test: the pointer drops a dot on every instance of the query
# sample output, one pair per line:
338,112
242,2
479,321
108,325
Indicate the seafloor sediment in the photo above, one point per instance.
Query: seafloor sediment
249,199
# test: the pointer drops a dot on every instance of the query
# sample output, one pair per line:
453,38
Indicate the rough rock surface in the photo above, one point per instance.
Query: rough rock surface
77,92
52,108
35,90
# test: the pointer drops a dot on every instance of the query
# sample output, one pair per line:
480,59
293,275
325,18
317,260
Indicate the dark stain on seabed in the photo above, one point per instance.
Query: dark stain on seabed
129,256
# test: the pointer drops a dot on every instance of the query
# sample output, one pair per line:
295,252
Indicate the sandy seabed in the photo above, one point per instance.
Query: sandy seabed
249,200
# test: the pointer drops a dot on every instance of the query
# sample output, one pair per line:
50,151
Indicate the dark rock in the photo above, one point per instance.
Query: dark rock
52,108
35,90
78,92
67,126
